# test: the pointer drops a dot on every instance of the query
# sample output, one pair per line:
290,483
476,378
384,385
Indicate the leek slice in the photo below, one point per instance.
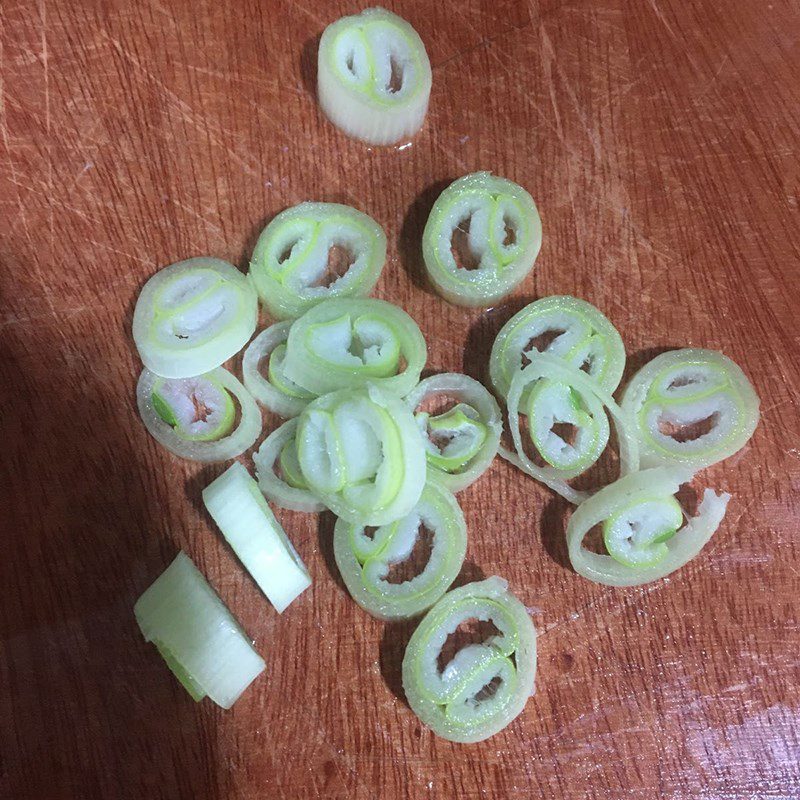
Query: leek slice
374,77
196,635
193,417
504,235
682,389
292,254
365,563
457,703
248,524
192,316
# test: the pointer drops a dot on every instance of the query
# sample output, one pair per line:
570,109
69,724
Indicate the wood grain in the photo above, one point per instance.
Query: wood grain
660,140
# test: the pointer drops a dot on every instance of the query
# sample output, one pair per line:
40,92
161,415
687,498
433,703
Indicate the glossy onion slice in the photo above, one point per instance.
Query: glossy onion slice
193,417
192,316
642,527
461,442
361,453
196,635
365,562
501,229
291,258
562,326
343,343
458,703
691,391
374,77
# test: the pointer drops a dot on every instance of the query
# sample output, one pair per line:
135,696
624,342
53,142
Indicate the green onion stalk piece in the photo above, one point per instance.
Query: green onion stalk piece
684,389
291,257
344,343
290,489
562,393
275,392
192,316
486,685
503,233
461,442
567,327
643,528
362,454
365,562
194,417
374,77
237,506
197,636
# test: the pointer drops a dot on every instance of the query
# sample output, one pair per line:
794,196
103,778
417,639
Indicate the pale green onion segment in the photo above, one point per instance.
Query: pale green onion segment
362,454
291,257
691,407
196,635
374,77
192,316
567,327
642,528
343,343
194,417
562,393
289,490
462,441
247,522
500,225
276,392
485,685
365,562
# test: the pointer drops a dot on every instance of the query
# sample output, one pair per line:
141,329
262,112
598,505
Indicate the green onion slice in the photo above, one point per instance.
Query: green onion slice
691,407
486,685
500,227
365,562
344,343
194,418
292,257
196,635
374,77
643,528
248,524
192,316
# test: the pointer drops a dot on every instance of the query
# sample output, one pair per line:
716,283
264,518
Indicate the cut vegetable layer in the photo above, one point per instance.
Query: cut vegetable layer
195,633
247,522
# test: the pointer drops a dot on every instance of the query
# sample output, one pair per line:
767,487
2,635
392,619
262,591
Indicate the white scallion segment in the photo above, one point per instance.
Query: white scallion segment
691,407
365,562
291,259
196,635
286,491
468,435
640,520
344,343
458,703
275,392
193,417
362,454
567,327
237,506
374,77
192,316
500,227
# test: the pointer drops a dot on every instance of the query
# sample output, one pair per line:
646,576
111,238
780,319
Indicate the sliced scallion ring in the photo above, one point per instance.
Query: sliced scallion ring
193,417
501,230
691,407
374,77
481,690
365,563
192,316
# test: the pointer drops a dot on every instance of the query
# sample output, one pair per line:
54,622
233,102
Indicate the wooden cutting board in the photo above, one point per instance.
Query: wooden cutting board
660,140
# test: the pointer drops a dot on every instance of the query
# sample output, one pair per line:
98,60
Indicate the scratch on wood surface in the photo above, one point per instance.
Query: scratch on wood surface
661,18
